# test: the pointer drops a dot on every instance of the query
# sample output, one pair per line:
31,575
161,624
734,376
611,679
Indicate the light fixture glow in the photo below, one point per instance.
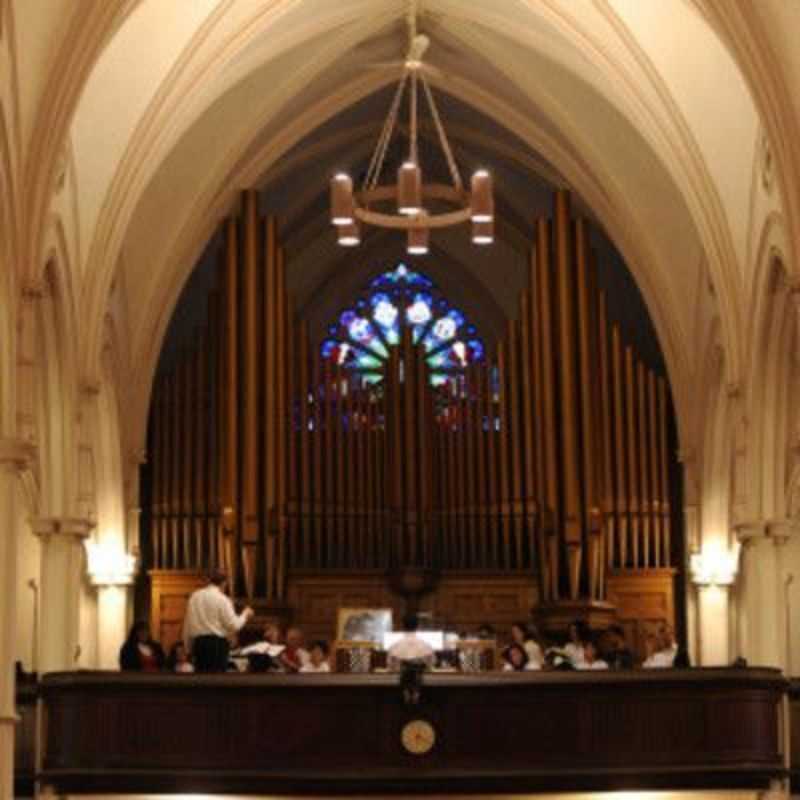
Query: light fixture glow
410,192
109,566
417,241
409,189
342,203
482,197
714,567
349,235
483,232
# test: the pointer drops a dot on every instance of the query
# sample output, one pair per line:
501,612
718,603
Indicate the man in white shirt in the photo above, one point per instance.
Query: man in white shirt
410,647
210,619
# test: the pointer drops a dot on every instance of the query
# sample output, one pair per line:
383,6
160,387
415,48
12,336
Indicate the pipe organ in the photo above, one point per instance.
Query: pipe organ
544,457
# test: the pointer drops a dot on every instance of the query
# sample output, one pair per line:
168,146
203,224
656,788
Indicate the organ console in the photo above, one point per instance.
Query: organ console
534,474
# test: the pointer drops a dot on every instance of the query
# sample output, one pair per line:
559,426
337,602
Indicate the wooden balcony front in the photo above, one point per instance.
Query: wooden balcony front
523,732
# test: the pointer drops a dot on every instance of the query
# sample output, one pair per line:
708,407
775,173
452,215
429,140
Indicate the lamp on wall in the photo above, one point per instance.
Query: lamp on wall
714,567
108,565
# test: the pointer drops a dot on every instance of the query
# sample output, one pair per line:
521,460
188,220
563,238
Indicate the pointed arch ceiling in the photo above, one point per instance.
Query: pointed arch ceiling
198,103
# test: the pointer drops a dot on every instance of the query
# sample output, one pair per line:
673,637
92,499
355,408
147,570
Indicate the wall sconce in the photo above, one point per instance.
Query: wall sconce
109,565
714,567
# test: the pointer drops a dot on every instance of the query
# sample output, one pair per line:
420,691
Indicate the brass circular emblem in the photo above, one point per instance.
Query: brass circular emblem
418,737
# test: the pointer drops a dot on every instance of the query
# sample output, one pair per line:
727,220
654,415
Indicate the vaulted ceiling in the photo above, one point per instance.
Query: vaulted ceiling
153,116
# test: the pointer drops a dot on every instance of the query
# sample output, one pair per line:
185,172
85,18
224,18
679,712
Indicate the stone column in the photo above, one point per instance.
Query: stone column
62,567
691,521
779,532
15,457
112,617
713,610
760,591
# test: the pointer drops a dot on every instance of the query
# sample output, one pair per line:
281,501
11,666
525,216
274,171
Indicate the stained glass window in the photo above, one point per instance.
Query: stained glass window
401,298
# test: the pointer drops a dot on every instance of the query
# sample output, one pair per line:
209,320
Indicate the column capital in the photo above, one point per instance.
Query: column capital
747,532
78,527
779,530
16,454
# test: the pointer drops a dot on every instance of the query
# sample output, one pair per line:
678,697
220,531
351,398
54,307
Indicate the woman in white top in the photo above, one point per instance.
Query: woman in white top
590,659
525,636
317,658
516,659
578,634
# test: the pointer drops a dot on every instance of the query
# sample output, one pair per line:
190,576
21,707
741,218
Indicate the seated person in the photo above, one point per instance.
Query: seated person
294,655
526,637
578,633
667,649
486,631
617,654
140,652
263,656
515,659
410,647
650,649
317,657
178,659
590,657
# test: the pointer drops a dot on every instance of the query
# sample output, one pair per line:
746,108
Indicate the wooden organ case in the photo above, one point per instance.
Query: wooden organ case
538,480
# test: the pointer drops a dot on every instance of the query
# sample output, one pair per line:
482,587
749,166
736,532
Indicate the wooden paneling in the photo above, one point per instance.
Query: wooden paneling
316,598
643,599
464,602
25,738
170,592
307,734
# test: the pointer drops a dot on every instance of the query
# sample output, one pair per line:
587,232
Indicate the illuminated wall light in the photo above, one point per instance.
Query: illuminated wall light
342,203
409,189
109,565
482,197
714,567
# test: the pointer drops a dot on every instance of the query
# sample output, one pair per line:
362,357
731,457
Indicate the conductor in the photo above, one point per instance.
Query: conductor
210,620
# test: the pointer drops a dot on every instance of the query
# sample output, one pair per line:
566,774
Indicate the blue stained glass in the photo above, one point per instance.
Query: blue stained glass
385,313
475,349
445,328
360,330
402,298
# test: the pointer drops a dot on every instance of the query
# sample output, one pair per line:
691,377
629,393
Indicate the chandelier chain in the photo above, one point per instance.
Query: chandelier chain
451,162
414,151
376,163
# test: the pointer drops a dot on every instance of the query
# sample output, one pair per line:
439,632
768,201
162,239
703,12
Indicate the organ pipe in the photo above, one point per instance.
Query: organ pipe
269,458
548,427
250,493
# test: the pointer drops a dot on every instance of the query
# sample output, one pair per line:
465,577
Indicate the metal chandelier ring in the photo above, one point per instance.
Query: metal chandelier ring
434,191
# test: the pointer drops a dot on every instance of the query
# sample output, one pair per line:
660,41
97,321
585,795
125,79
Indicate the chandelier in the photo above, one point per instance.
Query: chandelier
411,196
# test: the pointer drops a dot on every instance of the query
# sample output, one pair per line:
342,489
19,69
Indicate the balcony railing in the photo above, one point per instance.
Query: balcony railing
670,729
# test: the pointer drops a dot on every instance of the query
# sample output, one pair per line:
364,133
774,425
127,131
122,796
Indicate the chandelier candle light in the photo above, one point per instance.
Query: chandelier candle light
349,209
